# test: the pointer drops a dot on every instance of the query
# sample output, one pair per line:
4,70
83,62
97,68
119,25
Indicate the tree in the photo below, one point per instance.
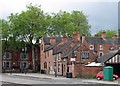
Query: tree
29,25
109,33
119,33
65,22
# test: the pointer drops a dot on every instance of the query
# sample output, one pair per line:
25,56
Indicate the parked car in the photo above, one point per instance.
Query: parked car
101,76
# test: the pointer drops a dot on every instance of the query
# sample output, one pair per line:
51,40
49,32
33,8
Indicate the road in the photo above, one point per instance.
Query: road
12,80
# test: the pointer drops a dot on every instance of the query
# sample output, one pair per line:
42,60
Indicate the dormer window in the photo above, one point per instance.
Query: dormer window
112,47
119,47
101,47
91,47
75,54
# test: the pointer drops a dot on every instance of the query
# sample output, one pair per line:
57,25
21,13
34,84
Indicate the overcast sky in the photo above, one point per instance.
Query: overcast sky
102,14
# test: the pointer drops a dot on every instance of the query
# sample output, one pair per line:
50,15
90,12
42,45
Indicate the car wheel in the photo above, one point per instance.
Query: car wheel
98,78
114,78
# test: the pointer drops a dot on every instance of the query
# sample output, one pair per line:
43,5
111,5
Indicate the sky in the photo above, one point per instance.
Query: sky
102,14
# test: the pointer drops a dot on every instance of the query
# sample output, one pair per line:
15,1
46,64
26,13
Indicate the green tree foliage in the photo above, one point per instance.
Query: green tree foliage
65,22
109,33
119,33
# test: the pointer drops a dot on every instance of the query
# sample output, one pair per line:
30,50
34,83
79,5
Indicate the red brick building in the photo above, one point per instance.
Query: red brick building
73,54
21,59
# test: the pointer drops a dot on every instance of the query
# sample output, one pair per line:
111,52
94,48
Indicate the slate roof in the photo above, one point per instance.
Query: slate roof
94,40
47,40
70,51
108,56
61,48
51,47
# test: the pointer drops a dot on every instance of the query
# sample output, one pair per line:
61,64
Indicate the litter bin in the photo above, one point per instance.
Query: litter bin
108,73
68,75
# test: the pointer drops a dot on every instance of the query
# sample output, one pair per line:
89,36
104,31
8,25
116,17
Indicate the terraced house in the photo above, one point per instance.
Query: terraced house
21,60
75,54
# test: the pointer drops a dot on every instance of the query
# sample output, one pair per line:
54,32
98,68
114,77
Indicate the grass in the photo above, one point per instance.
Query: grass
87,76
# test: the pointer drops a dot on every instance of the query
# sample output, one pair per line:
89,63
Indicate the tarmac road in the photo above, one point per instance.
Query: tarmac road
14,80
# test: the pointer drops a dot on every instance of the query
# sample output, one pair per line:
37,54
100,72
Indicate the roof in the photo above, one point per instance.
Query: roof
95,40
51,47
108,56
61,48
47,40
70,51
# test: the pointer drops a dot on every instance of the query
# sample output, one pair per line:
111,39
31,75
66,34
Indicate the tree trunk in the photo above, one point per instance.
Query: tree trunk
33,57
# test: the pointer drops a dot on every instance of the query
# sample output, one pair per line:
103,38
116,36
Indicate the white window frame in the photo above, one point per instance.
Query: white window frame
90,47
4,64
22,53
99,54
101,47
58,68
59,57
87,54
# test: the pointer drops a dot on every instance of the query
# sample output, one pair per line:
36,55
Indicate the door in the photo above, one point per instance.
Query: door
62,69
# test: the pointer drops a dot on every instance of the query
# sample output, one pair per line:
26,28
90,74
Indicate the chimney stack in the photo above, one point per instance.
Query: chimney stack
103,34
96,35
64,38
76,37
52,40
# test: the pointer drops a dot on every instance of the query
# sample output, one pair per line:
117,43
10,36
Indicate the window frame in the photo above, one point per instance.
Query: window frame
101,47
92,47
85,55
100,55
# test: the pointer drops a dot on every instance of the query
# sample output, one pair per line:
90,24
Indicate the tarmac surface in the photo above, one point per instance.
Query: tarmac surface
36,79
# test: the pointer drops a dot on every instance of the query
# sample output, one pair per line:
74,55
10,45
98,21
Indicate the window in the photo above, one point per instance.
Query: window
64,67
24,64
58,67
23,55
119,47
7,55
45,65
112,47
101,53
6,64
59,57
101,47
75,54
85,55
91,47
35,56
51,67
64,59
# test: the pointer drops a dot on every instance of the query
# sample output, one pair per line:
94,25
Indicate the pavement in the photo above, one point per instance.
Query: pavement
52,77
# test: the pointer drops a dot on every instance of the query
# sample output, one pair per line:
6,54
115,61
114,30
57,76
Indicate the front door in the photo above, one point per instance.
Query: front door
62,69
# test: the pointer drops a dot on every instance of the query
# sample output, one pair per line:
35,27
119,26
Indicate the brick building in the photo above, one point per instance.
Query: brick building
21,59
74,54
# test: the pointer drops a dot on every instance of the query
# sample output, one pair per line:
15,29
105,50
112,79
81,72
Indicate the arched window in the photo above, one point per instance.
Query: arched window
45,65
